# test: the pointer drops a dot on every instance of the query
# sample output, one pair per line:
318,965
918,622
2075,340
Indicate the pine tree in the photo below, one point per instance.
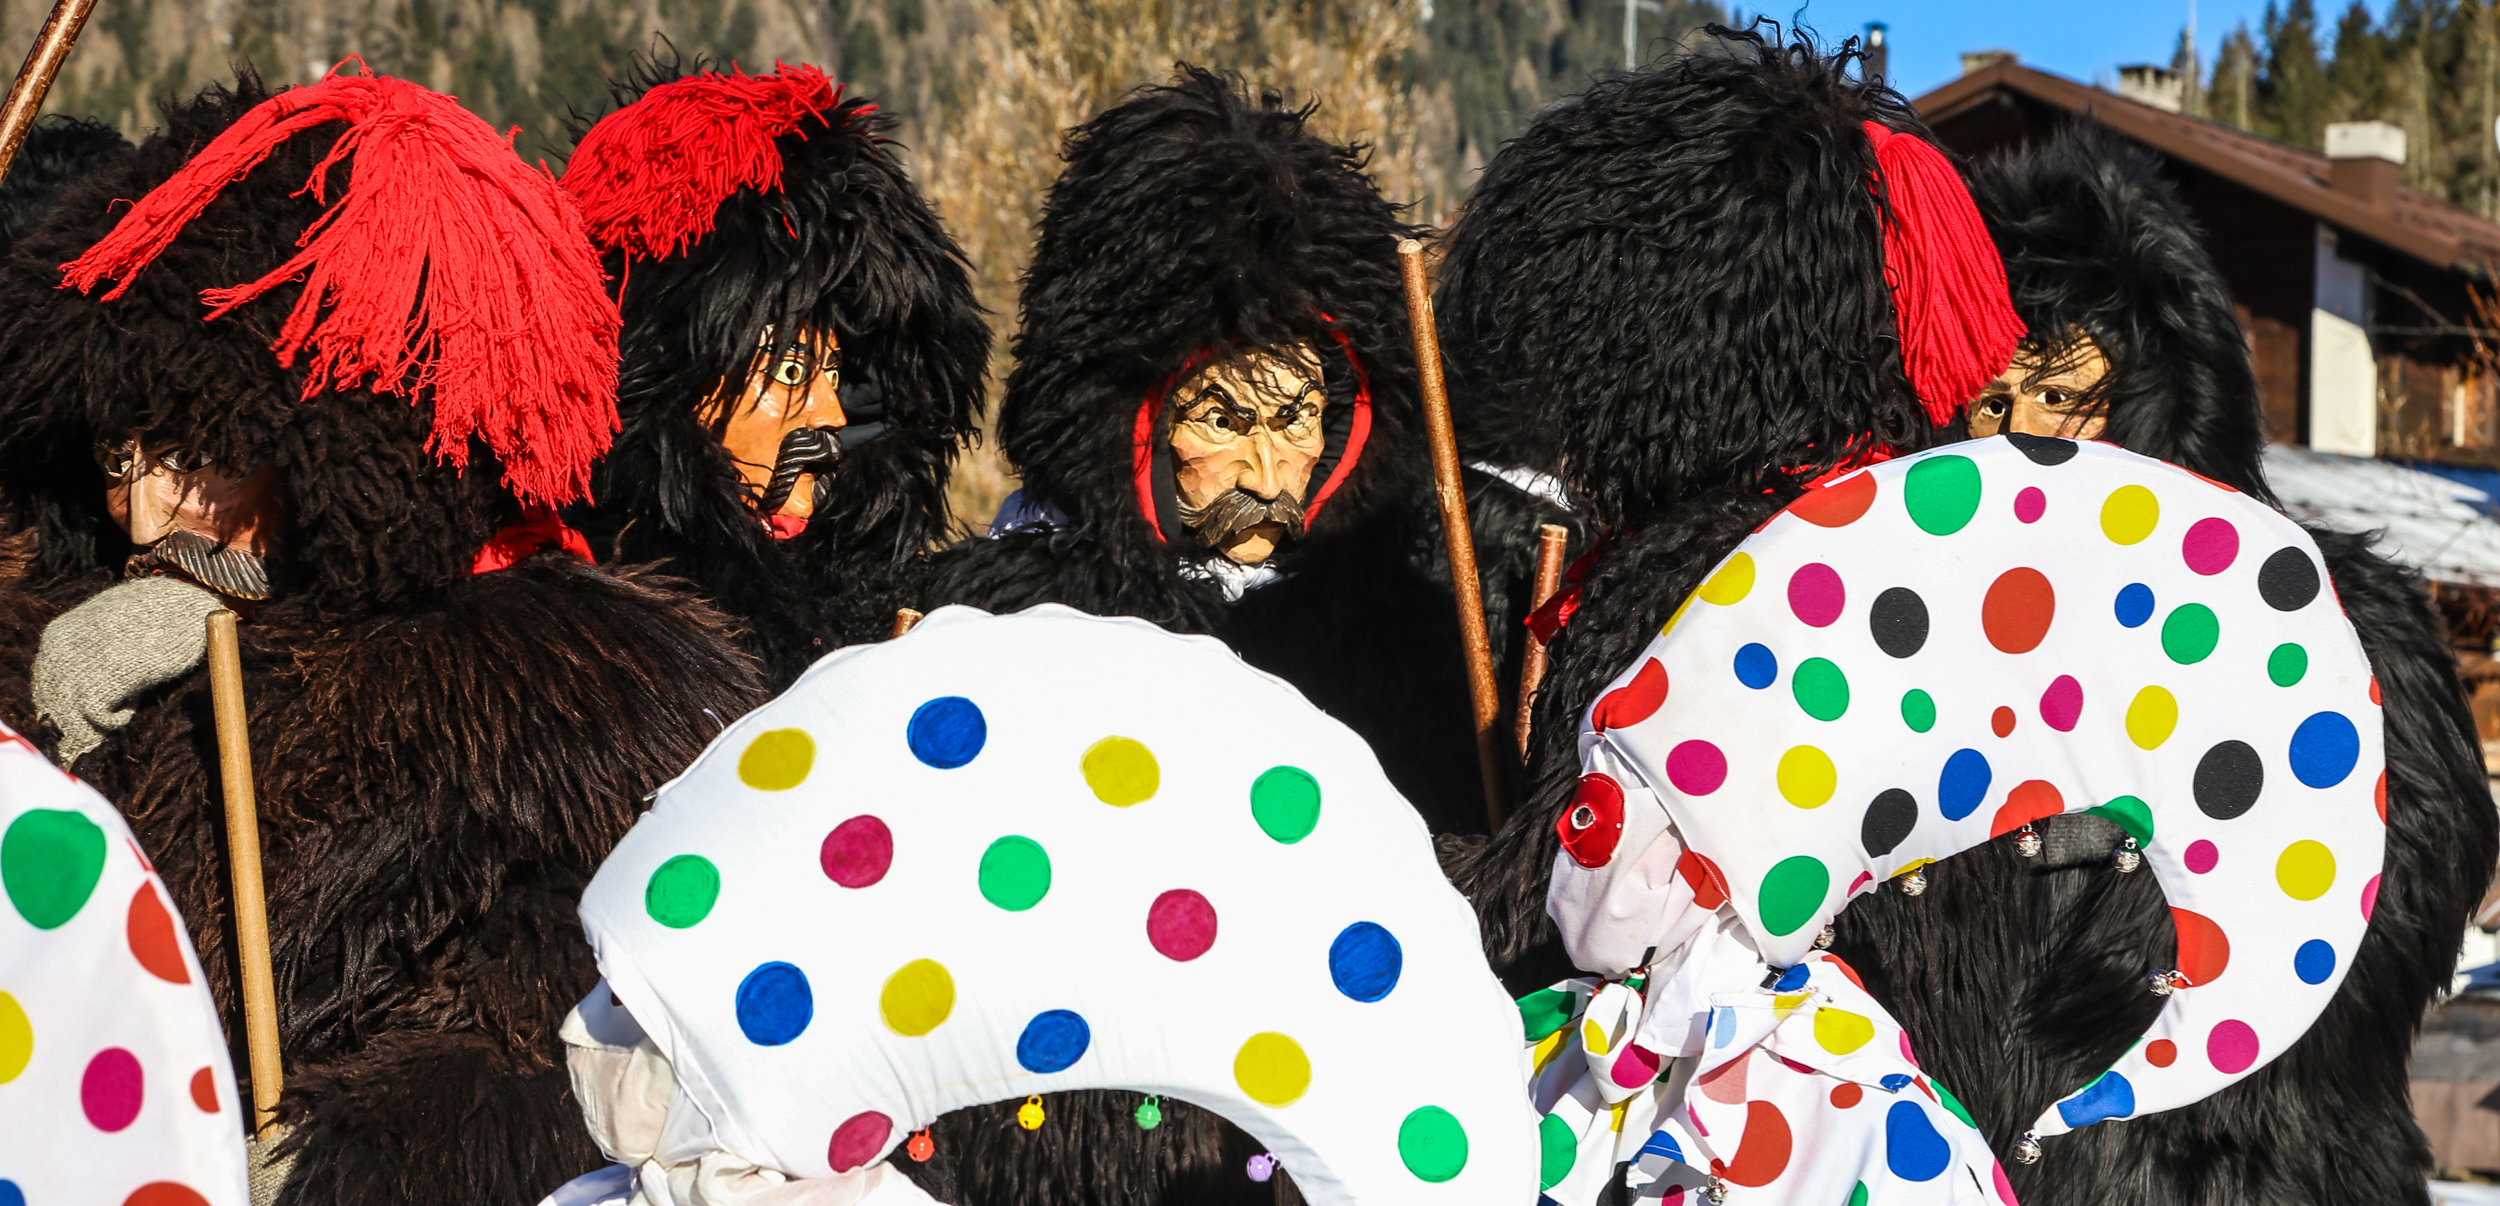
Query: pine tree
2231,97
2291,92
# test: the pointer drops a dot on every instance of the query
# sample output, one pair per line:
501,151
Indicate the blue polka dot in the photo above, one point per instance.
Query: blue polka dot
2314,961
774,1004
947,732
1912,1148
10,1194
1365,961
2111,1096
1791,980
1722,1026
1896,1082
1662,1144
2324,749
1053,1040
1756,666
2135,604
1963,785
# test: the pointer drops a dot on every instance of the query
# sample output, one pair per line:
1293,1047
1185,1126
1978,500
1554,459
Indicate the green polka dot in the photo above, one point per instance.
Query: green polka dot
1559,1149
777,760
1545,1011
50,861
1015,873
1857,1194
1122,771
1952,1103
1822,690
1918,710
682,892
1793,893
1433,1144
2287,665
2130,814
2189,634
1285,801
1942,493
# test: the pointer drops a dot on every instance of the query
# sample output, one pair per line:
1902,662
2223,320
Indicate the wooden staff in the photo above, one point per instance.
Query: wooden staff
904,618
1468,592
34,79
251,907
1551,541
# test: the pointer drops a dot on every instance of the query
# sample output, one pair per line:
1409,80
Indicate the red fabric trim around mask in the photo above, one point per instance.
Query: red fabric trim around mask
539,529
783,527
1143,448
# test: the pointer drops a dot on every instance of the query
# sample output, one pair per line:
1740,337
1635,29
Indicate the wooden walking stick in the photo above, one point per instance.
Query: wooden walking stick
904,618
1465,586
1551,541
251,908
34,79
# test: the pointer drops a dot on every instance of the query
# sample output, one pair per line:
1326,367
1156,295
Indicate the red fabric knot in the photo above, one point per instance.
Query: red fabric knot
783,527
1555,613
539,529
1949,301
449,266
651,177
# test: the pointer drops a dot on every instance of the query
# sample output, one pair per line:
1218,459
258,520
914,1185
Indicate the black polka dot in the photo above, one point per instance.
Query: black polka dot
2288,580
2043,450
2228,779
1899,621
1888,822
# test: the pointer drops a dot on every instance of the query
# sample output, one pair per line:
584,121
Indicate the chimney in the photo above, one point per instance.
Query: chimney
2149,84
1976,61
1877,54
2365,160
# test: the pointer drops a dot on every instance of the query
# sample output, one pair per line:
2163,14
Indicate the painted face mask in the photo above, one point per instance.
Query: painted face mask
193,518
782,425
1246,436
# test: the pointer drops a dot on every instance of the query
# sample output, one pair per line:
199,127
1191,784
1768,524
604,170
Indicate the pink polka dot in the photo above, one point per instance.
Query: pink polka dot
1815,594
2062,704
112,1089
1906,1057
2005,1188
2201,856
2231,1046
1181,925
1861,881
860,1139
857,852
2369,897
2211,546
2029,504
1637,1066
1697,768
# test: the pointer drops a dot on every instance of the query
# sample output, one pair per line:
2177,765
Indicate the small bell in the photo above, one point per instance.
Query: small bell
2027,1148
921,1146
1823,941
1913,884
2128,856
2161,983
1262,1166
2027,841
1150,1113
1715,1192
1029,1115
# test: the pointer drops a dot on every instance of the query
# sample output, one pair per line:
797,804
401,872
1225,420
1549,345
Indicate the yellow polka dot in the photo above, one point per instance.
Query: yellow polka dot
2128,515
1806,777
1593,1038
1547,1048
1615,1113
1840,1031
917,998
1786,1004
1732,583
1912,865
17,1039
1122,771
2151,717
1272,1070
2306,870
777,760
1680,609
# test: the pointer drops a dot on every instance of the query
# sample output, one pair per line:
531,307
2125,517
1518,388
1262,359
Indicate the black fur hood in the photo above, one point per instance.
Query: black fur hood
59,150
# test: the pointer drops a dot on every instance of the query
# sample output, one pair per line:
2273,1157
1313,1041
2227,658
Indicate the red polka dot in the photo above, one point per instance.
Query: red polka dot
1181,925
1816,595
858,852
2369,897
1846,1094
2161,1053
1633,702
2017,610
204,1091
2204,951
2002,721
1763,1153
860,1139
112,1089
2379,796
2210,546
151,933
2031,800
1836,505
2374,690
2231,1047
1842,966
164,1193
2030,504
1725,1084
1592,823
1709,886
1696,768
2201,856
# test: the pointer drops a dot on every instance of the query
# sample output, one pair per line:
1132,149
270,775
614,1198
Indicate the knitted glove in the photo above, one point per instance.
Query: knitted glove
109,649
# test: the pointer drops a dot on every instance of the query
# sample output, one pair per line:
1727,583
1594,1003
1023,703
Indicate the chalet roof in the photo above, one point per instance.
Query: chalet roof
2433,521
2417,224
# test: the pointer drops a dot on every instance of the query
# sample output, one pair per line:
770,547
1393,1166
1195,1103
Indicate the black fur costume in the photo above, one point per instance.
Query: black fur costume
442,759
58,150
847,244
1191,217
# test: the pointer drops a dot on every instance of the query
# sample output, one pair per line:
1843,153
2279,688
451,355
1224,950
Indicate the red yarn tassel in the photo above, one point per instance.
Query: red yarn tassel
651,176
1949,302
448,265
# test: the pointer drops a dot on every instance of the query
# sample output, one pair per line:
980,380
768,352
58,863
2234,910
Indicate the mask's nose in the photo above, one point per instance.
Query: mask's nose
152,502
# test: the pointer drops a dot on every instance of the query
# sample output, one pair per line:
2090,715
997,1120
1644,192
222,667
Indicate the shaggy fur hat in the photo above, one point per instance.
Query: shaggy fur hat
2096,243
1675,282
1193,219
377,516
59,150
803,216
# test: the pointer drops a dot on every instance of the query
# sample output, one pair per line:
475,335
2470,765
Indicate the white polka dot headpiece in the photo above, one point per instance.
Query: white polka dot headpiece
1941,649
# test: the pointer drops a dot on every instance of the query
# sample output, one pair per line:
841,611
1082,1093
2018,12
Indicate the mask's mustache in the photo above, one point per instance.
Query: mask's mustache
218,566
1236,511
803,451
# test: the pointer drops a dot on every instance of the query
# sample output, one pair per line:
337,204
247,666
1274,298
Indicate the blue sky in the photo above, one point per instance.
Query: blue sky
2081,40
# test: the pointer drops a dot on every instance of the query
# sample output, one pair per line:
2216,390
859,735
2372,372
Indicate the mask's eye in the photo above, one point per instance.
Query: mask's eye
182,459
114,460
2056,399
790,371
1992,406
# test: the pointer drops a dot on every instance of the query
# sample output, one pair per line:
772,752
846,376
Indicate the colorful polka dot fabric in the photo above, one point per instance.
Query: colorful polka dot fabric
1015,855
114,1080
1937,650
